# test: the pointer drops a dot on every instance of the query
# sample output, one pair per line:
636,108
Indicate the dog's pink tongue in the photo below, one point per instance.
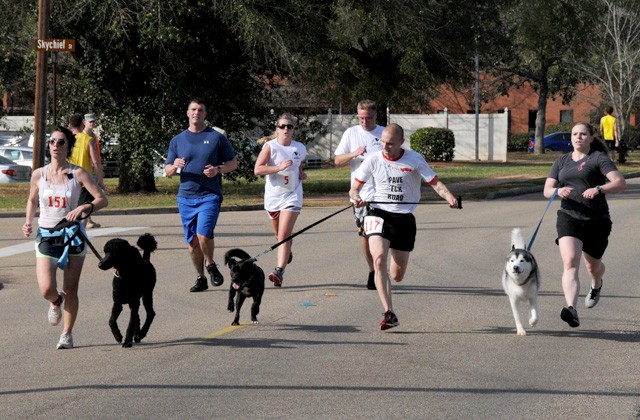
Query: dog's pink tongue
235,285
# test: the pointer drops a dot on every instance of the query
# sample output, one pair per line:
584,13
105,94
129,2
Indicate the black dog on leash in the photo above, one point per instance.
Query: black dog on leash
135,278
247,280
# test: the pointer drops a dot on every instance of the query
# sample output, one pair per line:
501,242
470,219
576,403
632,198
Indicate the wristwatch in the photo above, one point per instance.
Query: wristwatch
599,188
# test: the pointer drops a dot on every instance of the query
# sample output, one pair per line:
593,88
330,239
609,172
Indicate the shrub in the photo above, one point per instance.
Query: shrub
518,142
632,137
435,144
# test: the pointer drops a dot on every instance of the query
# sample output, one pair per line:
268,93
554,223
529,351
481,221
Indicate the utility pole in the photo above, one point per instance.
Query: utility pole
40,109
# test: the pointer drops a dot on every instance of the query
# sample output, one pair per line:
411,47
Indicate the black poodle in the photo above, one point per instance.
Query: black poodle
135,278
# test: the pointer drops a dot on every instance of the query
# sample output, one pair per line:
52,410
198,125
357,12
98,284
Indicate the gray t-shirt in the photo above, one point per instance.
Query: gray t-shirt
586,173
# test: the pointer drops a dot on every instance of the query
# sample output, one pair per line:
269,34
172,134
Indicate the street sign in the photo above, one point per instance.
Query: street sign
55,45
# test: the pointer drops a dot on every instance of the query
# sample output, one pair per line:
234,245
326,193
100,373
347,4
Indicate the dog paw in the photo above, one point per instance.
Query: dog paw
127,344
231,307
533,322
254,321
521,331
118,338
235,323
137,338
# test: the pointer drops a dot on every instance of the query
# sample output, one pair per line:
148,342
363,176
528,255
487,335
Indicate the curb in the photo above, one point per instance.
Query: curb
171,210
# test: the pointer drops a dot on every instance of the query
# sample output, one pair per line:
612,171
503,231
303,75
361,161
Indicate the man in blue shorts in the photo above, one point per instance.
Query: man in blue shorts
200,155
390,227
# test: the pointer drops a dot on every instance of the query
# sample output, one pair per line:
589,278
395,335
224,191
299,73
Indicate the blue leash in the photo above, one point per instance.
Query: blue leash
540,222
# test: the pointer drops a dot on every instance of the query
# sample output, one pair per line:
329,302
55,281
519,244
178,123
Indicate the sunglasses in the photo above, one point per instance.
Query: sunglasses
283,126
59,142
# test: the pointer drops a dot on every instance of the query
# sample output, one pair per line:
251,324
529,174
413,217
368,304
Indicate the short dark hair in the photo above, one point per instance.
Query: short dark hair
608,109
198,101
75,121
71,139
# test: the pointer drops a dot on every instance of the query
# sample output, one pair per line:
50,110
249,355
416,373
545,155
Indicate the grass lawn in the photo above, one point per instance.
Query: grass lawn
330,185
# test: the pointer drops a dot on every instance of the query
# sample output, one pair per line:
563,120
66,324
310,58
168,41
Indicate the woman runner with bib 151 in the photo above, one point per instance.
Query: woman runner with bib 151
281,162
55,188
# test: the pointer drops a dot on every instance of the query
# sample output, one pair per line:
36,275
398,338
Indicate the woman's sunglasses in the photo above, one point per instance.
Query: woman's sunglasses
59,142
283,126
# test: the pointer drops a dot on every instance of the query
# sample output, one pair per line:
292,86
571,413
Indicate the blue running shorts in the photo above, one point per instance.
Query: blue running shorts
199,215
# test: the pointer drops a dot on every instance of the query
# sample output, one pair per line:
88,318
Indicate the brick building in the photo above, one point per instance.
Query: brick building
586,105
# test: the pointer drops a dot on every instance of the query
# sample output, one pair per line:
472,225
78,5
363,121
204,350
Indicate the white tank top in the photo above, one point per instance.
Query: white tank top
284,189
56,201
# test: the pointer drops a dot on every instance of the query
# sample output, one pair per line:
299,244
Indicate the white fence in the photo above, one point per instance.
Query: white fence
493,133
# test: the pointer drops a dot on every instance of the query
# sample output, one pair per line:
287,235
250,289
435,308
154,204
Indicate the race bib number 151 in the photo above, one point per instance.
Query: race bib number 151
373,224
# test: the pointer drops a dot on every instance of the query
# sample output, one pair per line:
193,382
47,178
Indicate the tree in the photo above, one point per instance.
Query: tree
140,63
615,60
18,29
544,34
395,52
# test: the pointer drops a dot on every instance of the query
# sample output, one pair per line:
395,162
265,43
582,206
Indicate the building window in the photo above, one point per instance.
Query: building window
566,116
533,113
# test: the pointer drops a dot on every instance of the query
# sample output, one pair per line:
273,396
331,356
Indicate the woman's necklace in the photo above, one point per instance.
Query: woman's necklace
55,176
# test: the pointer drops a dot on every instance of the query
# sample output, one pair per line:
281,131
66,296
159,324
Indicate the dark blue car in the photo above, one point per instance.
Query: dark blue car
555,142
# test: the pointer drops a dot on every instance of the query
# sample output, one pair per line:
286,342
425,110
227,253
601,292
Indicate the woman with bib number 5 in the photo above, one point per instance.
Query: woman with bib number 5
390,227
280,161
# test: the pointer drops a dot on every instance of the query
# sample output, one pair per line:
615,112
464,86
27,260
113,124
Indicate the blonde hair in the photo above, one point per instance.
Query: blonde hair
263,140
286,116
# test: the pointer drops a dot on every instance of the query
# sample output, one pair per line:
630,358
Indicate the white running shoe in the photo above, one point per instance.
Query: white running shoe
55,312
592,297
66,341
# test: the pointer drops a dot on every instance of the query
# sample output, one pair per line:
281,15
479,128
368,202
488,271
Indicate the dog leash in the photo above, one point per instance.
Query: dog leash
535,233
64,223
459,199
298,233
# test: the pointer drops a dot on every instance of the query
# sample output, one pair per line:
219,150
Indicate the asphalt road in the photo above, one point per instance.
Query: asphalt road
318,351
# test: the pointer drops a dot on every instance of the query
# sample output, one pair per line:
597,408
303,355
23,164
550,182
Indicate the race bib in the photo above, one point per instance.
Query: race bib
285,181
373,224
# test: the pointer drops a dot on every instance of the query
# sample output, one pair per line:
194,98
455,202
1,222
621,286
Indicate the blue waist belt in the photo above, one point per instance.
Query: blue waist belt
70,236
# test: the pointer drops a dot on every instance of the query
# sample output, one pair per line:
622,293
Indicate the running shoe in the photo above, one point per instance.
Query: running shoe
93,225
276,278
592,297
201,284
66,341
570,316
55,311
216,276
390,320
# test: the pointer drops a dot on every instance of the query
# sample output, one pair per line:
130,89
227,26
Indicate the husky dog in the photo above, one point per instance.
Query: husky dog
521,280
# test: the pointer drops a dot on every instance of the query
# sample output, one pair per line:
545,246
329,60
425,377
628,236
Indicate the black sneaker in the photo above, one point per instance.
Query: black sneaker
390,320
371,281
570,316
216,277
201,284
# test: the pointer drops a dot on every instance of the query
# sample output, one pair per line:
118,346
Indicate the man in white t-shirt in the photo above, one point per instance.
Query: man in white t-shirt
389,226
357,143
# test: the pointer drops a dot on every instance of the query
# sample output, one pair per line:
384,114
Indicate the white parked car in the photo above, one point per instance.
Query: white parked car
12,172
19,154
